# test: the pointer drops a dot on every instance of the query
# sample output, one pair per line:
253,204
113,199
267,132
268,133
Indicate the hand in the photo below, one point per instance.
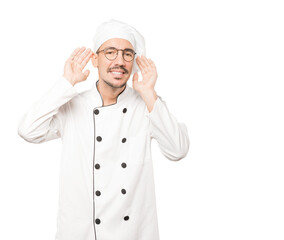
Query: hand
149,74
73,68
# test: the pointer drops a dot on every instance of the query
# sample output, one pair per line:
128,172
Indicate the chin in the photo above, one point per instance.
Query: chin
116,83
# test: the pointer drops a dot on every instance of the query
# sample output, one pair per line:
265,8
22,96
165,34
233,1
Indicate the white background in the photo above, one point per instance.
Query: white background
220,71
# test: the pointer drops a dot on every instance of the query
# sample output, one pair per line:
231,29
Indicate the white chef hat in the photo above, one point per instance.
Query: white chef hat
117,29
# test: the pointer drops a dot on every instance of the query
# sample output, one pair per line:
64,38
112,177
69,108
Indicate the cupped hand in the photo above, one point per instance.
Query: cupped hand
149,75
74,65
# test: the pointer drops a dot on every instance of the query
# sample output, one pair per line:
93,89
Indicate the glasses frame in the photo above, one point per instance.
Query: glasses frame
123,52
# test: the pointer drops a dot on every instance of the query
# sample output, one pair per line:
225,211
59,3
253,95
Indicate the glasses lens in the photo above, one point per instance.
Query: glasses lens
111,53
128,55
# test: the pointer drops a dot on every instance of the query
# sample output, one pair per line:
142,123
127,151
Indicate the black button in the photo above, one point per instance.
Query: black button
123,165
98,221
98,193
123,191
96,111
97,166
123,140
124,110
99,138
126,218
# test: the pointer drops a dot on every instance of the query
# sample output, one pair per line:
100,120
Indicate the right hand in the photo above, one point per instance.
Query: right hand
73,68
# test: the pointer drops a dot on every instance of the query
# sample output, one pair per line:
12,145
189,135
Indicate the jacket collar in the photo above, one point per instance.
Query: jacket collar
121,98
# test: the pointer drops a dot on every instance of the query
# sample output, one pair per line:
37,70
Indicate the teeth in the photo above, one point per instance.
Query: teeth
117,72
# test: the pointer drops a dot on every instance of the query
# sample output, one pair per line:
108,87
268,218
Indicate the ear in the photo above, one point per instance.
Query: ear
94,59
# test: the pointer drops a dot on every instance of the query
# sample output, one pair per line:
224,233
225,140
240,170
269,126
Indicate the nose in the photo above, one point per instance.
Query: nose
119,59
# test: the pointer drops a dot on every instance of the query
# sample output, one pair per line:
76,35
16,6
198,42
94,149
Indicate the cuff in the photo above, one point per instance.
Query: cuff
156,106
64,85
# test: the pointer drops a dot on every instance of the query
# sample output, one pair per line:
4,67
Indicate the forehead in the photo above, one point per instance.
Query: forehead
117,43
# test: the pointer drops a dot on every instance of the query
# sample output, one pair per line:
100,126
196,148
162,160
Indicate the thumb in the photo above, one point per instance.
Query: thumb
86,73
135,77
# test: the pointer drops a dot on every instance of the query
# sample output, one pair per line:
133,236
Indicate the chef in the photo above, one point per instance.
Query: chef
106,187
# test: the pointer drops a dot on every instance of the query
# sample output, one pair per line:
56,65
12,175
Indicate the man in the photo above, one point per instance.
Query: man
106,176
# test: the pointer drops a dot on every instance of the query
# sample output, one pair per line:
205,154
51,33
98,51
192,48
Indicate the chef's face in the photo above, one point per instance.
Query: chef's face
115,72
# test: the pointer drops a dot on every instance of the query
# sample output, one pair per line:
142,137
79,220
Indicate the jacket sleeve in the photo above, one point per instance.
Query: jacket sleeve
43,121
171,135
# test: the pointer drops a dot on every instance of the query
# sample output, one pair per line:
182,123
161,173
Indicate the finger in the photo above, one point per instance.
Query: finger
152,64
83,56
71,57
82,49
86,60
145,61
140,64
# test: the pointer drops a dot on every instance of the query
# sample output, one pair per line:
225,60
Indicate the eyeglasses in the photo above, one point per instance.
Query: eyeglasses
112,52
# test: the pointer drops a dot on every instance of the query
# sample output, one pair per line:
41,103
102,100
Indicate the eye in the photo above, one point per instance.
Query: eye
110,52
129,54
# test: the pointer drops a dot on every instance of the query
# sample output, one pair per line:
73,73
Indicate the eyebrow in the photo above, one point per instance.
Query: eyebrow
129,49
124,49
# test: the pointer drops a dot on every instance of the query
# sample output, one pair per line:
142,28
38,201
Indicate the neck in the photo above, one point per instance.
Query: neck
108,93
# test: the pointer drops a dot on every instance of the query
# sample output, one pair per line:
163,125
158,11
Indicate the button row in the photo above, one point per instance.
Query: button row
98,221
98,193
97,111
99,139
123,165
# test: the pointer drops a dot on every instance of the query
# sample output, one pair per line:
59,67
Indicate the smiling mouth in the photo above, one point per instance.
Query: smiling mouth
117,73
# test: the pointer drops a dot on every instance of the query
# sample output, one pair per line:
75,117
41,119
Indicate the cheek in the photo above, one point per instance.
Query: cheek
129,67
103,66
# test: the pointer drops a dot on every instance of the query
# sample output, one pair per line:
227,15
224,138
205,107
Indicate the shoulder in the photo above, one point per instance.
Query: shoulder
134,97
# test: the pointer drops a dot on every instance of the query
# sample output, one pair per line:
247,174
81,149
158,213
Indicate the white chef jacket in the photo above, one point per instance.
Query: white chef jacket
106,184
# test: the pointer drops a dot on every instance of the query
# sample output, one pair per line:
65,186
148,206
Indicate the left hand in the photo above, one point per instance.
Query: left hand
149,74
